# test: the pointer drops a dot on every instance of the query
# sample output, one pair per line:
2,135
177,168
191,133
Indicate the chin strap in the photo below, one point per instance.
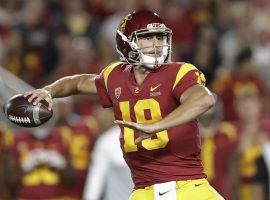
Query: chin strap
150,62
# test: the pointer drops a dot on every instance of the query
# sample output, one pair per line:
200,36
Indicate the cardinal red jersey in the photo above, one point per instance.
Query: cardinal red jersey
42,182
169,155
217,147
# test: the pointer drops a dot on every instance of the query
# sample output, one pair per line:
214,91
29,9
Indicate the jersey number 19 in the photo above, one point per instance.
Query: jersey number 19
139,109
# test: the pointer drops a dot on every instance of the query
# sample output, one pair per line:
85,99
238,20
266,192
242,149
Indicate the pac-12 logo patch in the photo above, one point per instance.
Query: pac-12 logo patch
117,92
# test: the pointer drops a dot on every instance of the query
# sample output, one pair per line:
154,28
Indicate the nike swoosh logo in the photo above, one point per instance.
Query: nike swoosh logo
196,185
154,88
162,193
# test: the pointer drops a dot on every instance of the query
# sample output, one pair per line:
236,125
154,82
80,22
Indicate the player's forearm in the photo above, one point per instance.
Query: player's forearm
195,104
69,85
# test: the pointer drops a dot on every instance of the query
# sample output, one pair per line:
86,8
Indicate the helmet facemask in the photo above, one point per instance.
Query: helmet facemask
138,55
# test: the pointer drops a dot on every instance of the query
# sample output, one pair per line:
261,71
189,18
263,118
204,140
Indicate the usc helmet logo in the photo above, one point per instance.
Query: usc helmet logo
123,22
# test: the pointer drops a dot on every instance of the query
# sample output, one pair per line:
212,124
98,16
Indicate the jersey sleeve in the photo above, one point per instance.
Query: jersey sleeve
104,97
186,77
102,85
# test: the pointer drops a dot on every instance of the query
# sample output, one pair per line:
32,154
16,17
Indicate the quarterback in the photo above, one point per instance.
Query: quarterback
156,103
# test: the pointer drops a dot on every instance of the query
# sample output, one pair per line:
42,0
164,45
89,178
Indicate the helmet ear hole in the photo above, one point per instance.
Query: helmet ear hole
133,55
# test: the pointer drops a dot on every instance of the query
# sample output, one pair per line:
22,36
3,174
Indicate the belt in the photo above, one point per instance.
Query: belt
183,183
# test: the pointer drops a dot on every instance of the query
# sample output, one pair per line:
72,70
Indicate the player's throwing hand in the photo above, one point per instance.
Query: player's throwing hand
38,95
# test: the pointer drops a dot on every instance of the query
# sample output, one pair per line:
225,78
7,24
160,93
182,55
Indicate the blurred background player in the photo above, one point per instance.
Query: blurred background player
254,129
219,139
42,157
244,77
80,134
108,176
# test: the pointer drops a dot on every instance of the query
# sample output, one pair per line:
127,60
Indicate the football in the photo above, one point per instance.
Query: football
21,112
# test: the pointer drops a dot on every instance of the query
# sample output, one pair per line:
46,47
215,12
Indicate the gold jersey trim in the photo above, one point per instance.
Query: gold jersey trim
184,69
108,70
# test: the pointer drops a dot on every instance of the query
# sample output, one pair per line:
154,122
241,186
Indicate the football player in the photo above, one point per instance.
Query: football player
42,159
253,131
79,135
219,140
156,103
